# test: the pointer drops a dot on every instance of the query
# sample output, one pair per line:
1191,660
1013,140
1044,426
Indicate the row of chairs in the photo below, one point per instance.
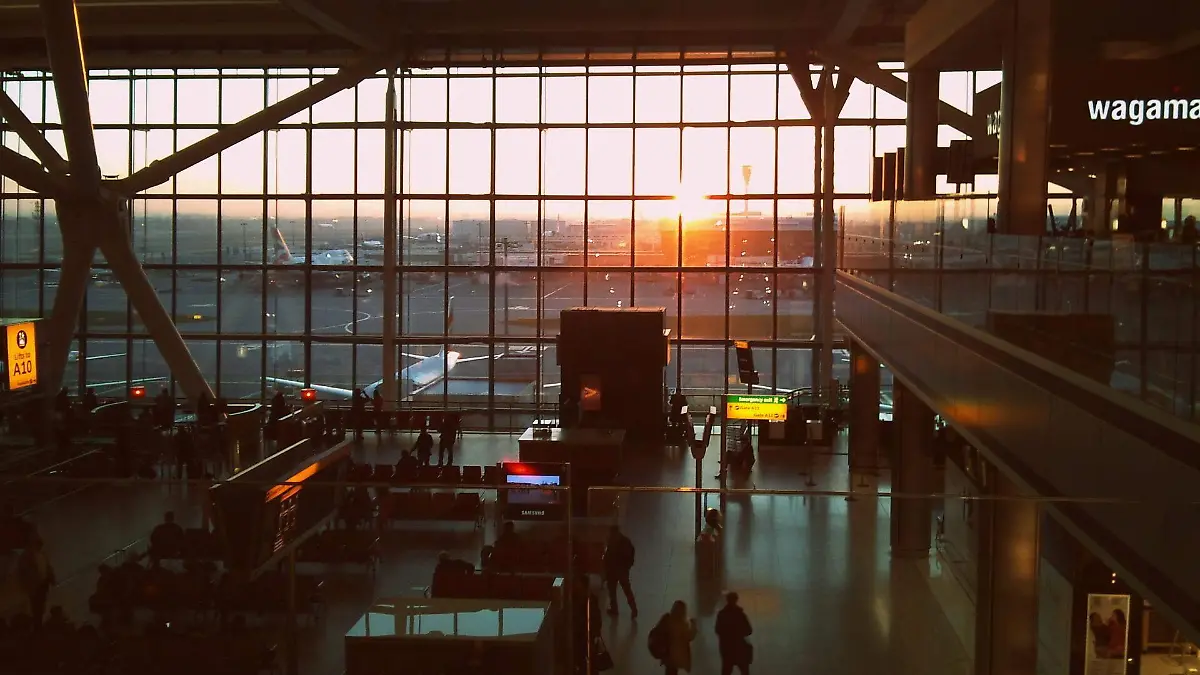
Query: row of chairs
420,505
469,476
546,557
337,547
493,586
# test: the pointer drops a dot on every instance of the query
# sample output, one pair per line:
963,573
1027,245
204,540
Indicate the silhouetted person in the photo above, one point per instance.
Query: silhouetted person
36,576
423,447
1188,234
377,411
205,414
222,408
279,406
62,402
185,454
732,629
167,537
358,412
447,436
618,560
90,400
406,467
449,565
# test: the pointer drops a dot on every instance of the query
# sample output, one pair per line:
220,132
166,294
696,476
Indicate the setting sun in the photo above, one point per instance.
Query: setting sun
691,203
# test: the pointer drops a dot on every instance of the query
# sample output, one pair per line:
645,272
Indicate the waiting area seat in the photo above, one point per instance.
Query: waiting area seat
424,505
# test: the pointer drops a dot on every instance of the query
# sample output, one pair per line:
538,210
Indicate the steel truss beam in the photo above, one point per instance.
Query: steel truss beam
51,160
71,88
872,74
28,173
162,170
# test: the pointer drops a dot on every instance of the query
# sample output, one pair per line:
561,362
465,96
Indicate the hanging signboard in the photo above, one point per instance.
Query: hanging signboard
20,361
773,408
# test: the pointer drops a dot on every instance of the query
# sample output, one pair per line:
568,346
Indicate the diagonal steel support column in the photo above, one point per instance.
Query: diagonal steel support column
71,89
873,75
160,171
78,252
31,136
118,250
28,173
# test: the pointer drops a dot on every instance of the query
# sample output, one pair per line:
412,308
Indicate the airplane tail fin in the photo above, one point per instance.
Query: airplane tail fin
283,254
450,314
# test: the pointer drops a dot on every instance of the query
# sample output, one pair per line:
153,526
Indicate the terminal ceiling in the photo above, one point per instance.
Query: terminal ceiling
263,33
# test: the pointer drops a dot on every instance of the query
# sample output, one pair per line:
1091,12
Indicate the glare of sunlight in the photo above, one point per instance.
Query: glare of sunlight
691,204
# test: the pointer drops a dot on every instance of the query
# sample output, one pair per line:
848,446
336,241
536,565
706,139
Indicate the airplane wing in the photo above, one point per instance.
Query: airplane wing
104,356
419,357
324,389
485,357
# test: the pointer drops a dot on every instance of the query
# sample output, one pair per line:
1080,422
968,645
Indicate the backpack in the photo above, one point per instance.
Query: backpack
656,641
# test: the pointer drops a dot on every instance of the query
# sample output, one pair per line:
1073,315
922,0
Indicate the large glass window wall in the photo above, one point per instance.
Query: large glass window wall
522,191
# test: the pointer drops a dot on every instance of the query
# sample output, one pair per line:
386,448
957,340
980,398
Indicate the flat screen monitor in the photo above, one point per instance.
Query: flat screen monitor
531,495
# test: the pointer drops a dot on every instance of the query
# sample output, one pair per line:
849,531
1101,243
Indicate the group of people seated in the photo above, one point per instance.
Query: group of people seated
57,646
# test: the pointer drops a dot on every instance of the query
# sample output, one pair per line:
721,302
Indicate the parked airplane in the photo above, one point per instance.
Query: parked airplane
415,378
336,257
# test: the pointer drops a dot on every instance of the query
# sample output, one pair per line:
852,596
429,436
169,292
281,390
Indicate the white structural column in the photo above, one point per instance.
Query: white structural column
390,286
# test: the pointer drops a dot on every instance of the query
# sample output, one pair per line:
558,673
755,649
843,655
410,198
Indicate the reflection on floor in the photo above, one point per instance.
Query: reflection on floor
814,574
1162,664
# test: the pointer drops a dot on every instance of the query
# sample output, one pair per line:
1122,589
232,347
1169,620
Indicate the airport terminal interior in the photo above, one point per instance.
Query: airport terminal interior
459,337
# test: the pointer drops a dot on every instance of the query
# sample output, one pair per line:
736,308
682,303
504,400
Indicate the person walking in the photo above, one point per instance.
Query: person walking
674,632
732,629
36,576
618,561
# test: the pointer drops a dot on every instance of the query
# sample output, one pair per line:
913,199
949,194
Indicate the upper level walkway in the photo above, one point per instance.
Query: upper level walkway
921,290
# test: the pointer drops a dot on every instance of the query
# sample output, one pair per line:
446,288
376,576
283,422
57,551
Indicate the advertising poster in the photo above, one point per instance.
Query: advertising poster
1107,634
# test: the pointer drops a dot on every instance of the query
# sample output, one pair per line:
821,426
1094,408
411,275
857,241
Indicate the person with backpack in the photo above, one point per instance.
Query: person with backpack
732,629
618,560
670,641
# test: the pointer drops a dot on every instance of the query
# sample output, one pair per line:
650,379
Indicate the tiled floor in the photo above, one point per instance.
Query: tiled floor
814,573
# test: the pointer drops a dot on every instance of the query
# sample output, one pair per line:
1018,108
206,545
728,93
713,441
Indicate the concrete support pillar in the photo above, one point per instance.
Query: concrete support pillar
1025,118
912,474
921,134
864,410
832,107
1006,604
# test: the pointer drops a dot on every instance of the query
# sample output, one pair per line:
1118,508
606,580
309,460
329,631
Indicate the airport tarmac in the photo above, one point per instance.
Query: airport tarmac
340,317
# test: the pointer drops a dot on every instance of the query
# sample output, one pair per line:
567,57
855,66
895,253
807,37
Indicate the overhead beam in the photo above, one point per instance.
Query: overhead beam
33,138
27,173
872,74
63,43
941,25
852,17
161,171
341,19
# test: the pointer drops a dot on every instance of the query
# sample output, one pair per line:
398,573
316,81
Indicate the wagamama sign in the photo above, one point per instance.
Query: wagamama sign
1138,111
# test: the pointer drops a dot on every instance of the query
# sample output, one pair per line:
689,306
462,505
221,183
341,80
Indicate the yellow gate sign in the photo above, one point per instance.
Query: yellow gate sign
22,355
773,408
